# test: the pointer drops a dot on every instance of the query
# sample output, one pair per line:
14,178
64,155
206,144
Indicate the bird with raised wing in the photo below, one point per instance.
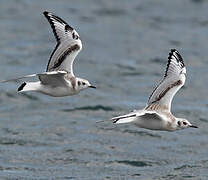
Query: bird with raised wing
157,113
59,79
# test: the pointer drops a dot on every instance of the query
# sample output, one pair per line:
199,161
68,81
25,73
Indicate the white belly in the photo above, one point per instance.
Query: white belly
57,91
152,124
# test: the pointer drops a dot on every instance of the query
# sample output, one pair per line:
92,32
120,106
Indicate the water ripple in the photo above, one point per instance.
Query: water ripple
20,142
91,108
134,163
184,167
141,133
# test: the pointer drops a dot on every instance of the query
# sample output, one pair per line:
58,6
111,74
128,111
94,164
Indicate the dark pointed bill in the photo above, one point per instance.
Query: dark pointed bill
192,126
92,86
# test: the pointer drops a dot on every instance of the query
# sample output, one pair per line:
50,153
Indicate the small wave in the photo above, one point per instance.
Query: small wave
142,133
170,176
15,95
188,176
91,108
68,150
203,120
184,167
30,96
20,142
9,131
11,95
8,141
135,163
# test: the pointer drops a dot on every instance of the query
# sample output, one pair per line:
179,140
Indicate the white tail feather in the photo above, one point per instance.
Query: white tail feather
29,86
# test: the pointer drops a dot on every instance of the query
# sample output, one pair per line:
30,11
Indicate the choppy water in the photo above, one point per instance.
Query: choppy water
125,49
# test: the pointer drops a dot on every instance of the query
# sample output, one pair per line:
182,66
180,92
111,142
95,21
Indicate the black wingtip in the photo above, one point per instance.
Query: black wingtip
21,87
171,53
115,121
173,50
178,56
174,53
45,13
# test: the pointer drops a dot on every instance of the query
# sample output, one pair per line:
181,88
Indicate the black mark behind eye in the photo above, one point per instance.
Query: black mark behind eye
79,83
74,36
179,123
184,123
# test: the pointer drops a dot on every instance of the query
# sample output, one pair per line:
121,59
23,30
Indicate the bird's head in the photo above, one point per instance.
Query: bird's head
83,84
184,123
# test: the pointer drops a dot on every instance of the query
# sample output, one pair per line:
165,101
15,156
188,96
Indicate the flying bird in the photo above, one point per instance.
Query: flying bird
59,79
157,113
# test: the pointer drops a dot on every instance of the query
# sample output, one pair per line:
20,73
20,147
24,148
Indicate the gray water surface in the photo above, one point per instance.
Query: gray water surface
125,50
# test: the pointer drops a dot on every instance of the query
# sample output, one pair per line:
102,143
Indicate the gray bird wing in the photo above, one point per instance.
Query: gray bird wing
148,115
54,78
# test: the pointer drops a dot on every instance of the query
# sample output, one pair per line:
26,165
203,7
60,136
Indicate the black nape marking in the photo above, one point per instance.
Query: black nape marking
22,86
74,36
185,123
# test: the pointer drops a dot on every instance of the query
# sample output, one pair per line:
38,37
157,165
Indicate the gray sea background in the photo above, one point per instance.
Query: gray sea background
125,50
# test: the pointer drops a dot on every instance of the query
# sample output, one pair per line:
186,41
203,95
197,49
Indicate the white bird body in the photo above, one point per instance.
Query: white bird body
150,120
58,91
157,114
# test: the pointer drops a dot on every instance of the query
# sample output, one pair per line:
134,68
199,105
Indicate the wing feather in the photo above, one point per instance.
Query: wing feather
173,80
53,78
68,44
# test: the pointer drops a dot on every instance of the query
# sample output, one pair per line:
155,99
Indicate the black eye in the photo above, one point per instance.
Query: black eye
83,83
79,83
184,123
